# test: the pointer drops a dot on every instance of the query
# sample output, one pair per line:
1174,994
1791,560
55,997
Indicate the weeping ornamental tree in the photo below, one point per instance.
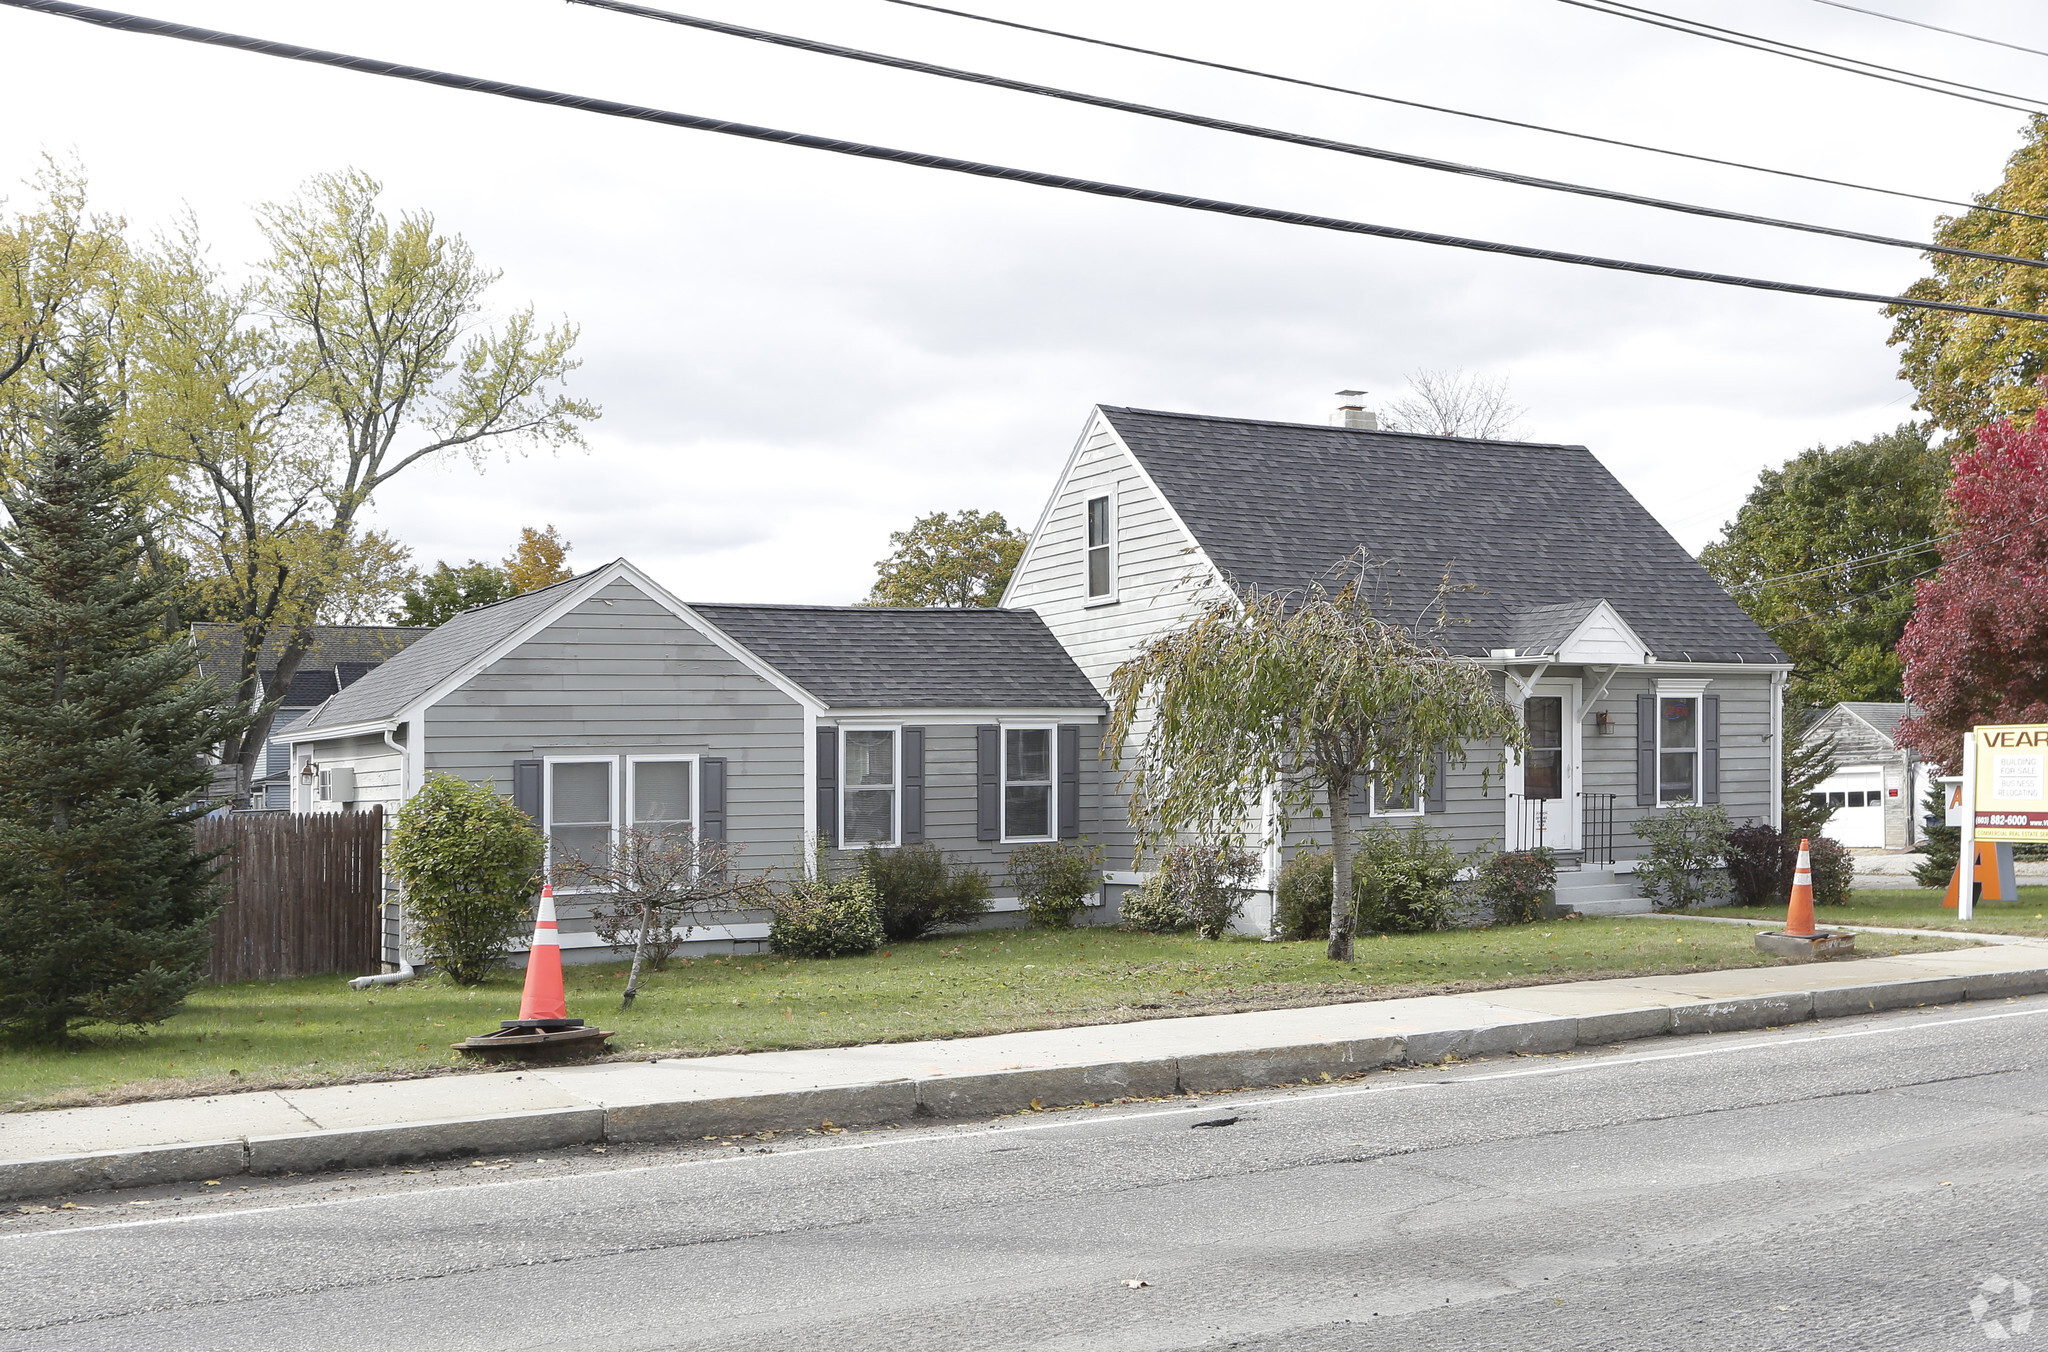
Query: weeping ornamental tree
1309,696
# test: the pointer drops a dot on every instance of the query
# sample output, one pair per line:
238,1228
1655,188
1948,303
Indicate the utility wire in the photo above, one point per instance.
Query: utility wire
212,37
1291,138
1811,55
1908,581
1931,27
1851,565
1455,112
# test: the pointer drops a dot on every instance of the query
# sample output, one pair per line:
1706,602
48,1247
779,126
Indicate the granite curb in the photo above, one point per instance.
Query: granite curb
901,1099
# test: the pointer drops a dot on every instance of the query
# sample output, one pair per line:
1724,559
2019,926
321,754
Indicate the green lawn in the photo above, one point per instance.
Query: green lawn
315,1030
1921,908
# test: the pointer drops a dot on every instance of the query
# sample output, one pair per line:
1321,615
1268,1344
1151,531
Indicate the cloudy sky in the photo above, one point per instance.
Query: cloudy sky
797,353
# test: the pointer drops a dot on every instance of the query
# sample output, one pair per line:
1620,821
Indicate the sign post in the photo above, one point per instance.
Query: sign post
1966,859
2005,797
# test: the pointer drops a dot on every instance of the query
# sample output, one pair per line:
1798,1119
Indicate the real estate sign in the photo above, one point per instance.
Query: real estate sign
2011,799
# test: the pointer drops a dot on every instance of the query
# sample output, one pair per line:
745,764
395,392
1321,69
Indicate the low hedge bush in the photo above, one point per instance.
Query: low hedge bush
826,918
920,888
1055,879
1302,910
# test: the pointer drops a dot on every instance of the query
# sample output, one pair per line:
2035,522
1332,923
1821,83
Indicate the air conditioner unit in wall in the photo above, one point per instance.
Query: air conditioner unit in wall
337,784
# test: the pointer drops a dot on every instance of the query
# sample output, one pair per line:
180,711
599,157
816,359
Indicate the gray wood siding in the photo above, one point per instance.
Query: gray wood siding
1161,581
1477,803
951,819
620,675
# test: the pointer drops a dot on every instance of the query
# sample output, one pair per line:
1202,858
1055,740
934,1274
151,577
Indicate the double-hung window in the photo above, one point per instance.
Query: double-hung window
1678,748
870,786
582,808
1101,563
662,795
1027,783
1392,796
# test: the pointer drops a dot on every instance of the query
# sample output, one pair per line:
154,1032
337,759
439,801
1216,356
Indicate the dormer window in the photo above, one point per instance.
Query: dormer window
1101,572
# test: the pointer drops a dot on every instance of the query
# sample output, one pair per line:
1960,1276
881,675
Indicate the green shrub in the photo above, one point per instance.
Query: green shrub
826,918
1687,842
1834,872
1403,880
1152,907
468,863
1302,910
1759,864
1941,844
1517,885
1209,883
1055,879
919,889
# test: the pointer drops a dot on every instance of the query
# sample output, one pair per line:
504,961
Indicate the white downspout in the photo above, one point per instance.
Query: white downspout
406,971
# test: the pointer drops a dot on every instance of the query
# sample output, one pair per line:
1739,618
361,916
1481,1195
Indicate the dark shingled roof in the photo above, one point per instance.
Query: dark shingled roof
869,657
308,688
392,688
334,645
1276,505
1883,717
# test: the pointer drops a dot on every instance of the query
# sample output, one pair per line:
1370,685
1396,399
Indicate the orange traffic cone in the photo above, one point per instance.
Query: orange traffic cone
1799,915
543,1027
544,1000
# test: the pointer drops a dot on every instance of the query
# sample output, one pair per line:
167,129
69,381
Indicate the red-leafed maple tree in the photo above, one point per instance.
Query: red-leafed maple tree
1976,649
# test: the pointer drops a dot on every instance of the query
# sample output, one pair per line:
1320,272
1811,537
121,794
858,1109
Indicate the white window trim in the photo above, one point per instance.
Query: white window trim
1110,597
895,786
1696,692
1052,796
1421,808
547,801
626,810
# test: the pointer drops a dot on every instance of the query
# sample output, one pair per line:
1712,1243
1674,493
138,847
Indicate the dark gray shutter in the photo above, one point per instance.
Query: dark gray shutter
1646,750
1710,748
913,786
526,787
1439,775
988,787
828,787
711,799
1070,780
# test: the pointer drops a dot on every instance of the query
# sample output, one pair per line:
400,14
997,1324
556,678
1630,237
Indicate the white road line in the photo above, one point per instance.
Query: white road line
1313,1095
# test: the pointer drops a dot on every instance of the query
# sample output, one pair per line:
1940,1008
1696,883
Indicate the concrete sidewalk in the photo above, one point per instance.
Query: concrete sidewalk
350,1126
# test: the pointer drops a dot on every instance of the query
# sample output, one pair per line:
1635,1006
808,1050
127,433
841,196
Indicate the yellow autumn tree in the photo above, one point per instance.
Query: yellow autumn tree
540,560
1970,369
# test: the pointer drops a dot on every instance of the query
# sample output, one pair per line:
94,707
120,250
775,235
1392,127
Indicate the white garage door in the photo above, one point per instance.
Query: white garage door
1857,796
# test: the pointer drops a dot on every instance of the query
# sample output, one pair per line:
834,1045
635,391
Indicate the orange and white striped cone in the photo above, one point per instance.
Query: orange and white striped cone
544,1001
1799,915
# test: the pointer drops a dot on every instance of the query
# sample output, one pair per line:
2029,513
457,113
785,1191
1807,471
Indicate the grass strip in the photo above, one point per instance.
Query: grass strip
314,1030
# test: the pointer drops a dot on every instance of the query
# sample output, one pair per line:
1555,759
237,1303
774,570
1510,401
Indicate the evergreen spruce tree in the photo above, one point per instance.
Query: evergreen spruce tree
104,904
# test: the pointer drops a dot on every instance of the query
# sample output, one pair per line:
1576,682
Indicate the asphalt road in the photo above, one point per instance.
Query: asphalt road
1855,1184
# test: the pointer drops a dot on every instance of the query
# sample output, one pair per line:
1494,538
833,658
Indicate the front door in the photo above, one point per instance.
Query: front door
1545,809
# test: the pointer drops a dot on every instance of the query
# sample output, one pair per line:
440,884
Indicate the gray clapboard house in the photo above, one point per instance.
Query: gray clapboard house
603,702
1640,681
1879,788
340,655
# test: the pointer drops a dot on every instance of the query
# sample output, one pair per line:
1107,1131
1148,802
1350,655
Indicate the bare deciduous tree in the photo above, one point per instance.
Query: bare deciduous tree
1457,404
656,879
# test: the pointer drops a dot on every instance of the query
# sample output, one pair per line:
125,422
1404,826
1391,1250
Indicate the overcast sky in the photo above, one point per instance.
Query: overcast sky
797,353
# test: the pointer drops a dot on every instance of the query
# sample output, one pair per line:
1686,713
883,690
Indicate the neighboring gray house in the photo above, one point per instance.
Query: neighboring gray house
1641,682
341,654
603,701
1879,788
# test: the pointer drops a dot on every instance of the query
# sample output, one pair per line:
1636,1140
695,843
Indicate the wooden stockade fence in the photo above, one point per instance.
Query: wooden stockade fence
304,894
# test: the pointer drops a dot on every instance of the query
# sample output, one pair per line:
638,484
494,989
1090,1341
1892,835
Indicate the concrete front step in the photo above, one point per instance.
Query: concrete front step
1610,906
1603,892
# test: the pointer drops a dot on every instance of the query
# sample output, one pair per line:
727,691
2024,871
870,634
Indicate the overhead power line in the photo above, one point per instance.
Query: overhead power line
1456,112
1291,138
1933,84
133,23
1932,27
